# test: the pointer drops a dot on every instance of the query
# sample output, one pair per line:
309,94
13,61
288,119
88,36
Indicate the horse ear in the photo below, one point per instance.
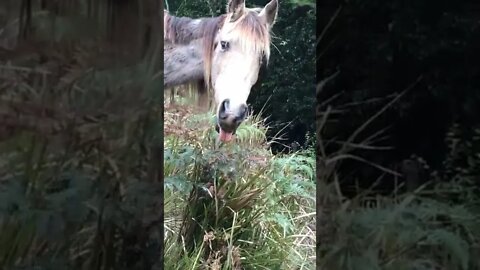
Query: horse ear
270,12
237,8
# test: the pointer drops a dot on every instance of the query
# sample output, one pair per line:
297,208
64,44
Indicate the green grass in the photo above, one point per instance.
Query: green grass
236,205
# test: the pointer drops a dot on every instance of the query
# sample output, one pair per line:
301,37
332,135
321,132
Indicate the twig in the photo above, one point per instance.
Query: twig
322,84
330,22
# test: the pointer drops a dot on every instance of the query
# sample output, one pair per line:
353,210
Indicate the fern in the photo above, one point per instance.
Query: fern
238,198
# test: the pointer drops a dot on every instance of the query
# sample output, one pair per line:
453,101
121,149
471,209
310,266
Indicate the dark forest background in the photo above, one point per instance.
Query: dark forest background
381,48
398,134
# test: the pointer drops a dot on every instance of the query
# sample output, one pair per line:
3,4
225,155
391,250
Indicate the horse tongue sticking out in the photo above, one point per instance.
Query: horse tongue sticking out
225,136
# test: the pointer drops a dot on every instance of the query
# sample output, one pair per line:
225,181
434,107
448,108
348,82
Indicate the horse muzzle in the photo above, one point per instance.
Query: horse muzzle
229,118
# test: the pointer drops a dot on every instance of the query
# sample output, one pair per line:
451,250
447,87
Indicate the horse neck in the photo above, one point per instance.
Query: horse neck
183,30
183,63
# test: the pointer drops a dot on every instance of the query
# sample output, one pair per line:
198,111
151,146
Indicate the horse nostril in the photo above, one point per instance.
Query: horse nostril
242,113
226,104
223,108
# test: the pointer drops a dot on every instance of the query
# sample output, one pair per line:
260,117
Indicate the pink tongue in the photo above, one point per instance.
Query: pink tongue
225,136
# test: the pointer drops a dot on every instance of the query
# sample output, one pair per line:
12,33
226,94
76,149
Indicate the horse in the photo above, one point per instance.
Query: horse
222,54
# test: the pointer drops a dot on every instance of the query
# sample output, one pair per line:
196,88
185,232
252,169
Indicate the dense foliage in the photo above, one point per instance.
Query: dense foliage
234,206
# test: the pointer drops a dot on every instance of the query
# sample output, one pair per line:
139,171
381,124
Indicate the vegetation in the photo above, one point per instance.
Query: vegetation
234,206
397,133
435,226
378,56
80,136
239,206
397,145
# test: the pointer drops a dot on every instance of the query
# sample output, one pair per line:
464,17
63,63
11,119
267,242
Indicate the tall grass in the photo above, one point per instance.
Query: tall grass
234,206
78,131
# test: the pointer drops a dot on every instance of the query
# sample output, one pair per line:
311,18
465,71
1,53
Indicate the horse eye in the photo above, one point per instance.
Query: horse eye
224,45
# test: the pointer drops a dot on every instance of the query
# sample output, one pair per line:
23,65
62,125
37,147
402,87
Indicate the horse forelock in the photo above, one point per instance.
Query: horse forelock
210,32
253,34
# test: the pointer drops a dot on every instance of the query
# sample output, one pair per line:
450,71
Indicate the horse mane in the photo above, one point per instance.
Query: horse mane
210,32
183,30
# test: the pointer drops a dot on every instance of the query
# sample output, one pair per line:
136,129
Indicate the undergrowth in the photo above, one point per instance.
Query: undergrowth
234,206
435,226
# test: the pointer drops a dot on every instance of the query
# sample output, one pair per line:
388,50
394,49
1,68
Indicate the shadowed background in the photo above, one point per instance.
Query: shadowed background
398,135
80,135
